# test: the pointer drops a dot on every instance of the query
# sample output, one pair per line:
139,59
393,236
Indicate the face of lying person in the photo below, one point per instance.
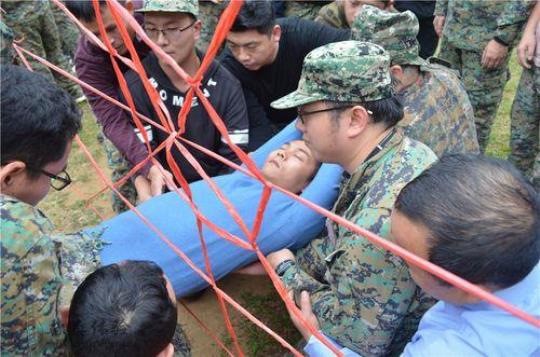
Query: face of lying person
291,167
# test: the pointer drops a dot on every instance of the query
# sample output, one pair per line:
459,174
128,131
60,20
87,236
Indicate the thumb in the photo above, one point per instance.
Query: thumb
305,302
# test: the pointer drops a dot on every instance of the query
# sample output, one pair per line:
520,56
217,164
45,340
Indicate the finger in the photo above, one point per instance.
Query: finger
305,303
156,186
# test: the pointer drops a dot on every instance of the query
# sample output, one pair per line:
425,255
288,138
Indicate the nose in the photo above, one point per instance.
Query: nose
243,56
282,154
161,39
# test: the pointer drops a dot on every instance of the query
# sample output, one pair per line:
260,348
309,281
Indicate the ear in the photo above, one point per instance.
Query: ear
10,172
396,71
129,7
358,121
197,27
64,316
276,33
167,352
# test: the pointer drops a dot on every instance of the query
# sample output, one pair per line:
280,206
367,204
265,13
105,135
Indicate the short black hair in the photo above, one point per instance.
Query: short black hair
255,15
83,9
388,111
38,118
483,217
122,310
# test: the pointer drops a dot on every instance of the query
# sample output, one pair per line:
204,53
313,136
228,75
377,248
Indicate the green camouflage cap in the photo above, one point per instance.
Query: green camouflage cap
187,6
395,31
348,71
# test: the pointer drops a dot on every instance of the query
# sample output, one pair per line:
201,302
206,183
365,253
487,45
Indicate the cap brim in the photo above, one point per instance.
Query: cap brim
293,100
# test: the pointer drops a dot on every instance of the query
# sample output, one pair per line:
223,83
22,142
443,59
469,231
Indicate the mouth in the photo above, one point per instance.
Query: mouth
274,162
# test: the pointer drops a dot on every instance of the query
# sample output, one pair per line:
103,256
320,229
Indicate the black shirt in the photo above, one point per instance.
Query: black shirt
224,93
298,38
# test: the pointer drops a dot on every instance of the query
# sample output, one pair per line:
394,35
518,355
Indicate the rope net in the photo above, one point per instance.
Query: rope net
164,122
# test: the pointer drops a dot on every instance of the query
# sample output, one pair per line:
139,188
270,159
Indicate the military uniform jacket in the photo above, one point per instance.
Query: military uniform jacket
35,269
362,295
438,112
471,24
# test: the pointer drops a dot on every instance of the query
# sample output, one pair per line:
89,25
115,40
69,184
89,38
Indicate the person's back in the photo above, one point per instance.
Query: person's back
438,112
266,56
124,309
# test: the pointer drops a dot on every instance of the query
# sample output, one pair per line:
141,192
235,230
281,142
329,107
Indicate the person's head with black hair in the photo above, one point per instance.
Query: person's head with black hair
39,121
351,7
254,36
84,12
124,309
474,216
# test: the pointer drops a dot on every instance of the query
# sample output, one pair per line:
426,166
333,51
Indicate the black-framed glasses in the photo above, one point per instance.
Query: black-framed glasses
59,181
168,32
303,113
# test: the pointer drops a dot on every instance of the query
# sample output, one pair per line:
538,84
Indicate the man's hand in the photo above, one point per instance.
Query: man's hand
307,314
277,257
142,185
438,23
158,180
494,55
526,48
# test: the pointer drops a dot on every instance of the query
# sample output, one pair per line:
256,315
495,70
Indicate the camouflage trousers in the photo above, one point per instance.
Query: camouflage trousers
484,87
33,23
209,15
119,168
525,125
303,9
68,30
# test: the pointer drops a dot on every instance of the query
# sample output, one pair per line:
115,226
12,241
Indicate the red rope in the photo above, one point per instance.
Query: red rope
119,14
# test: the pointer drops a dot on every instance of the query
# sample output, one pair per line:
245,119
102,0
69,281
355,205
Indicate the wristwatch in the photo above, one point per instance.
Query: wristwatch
284,266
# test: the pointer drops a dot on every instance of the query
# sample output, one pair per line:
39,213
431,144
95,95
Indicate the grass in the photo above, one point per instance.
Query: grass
69,211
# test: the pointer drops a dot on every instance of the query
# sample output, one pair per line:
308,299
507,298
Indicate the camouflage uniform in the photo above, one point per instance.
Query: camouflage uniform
68,30
120,167
333,15
438,112
469,26
33,22
304,9
362,295
525,121
38,267
6,52
209,13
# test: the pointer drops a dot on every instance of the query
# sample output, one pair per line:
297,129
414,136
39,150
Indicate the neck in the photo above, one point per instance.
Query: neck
190,66
373,136
408,80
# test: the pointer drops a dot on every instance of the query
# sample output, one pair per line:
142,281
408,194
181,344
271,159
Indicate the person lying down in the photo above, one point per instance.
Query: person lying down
286,222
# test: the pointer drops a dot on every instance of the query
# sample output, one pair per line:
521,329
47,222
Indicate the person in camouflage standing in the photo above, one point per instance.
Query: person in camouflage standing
33,23
341,13
525,116
304,9
209,12
438,112
68,30
347,113
36,262
476,39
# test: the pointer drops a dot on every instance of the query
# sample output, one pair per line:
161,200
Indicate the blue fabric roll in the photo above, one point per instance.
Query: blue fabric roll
286,223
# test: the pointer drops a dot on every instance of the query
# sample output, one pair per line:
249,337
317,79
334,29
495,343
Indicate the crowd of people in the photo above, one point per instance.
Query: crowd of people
340,102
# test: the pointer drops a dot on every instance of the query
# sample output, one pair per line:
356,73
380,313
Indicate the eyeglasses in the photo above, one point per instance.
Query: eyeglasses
168,32
302,113
58,182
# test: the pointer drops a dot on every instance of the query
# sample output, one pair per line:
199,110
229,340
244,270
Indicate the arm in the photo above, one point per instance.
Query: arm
441,8
315,34
353,299
115,123
508,27
527,45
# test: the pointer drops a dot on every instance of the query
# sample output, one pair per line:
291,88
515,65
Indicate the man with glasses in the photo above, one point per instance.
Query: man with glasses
173,26
362,295
39,121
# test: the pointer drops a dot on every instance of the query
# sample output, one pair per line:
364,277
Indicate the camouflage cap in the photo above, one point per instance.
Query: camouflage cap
348,71
187,6
395,31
